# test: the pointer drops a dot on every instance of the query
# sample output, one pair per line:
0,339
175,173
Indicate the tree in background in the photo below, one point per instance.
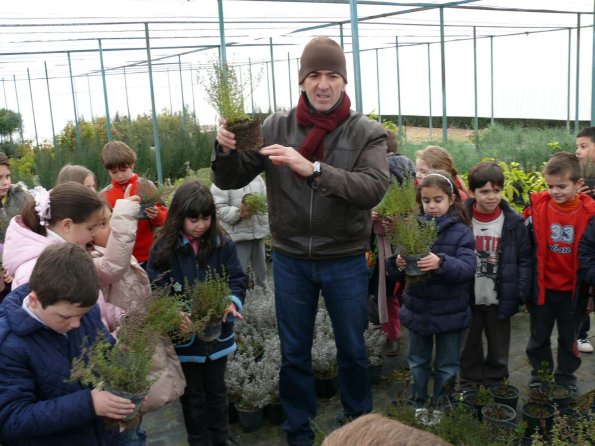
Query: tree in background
10,122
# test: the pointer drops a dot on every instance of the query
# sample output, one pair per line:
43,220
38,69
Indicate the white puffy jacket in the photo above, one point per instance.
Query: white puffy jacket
228,208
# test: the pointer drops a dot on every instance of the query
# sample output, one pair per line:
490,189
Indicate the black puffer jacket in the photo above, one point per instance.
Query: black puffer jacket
515,266
440,304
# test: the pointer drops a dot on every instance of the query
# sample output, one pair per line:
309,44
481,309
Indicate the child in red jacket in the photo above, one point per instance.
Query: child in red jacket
557,220
119,159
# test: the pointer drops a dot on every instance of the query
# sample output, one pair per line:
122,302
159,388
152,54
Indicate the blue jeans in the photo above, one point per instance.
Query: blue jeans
448,351
135,436
344,285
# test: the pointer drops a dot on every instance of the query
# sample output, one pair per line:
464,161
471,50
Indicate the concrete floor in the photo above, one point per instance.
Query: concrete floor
165,427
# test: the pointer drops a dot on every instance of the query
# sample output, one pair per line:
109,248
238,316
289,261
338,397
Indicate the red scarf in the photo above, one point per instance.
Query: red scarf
312,147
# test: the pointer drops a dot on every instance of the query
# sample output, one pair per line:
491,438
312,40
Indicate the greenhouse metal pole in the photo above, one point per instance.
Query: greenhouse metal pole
443,76
341,35
193,101
33,109
153,111
16,94
400,117
47,82
266,65
430,93
171,108
356,62
182,92
108,123
76,116
126,93
378,86
593,79
222,53
251,86
273,75
475,118
569,80
289,76
4,90
492,77
90,100
578,58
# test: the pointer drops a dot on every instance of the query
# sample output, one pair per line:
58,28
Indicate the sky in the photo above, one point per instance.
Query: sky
530,70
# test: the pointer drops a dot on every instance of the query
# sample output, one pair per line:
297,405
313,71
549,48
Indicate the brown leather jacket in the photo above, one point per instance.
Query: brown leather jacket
333,220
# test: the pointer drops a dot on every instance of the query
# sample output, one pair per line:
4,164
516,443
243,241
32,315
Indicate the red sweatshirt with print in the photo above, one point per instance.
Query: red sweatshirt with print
144,235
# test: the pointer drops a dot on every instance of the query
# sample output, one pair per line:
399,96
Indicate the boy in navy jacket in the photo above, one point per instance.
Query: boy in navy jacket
43,325
502,280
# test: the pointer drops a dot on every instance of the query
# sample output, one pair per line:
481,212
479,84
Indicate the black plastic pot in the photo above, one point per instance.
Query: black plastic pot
210,332
411,268
250,421
470,396
325,387
274,413
558,394
374,374
135,398
538,417
508,395
496,413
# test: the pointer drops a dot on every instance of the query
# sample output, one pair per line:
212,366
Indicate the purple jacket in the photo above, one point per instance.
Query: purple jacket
440,304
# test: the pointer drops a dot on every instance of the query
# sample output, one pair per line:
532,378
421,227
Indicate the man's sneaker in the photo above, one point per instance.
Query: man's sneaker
573,391
584,346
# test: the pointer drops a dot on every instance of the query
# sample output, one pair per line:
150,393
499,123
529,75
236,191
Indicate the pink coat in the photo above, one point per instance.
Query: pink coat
122,280
22,247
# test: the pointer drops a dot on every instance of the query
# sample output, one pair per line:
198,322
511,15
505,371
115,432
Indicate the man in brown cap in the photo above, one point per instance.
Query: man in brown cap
325,170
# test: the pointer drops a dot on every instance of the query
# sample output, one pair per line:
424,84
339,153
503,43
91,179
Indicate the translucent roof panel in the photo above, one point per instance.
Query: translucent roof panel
529,39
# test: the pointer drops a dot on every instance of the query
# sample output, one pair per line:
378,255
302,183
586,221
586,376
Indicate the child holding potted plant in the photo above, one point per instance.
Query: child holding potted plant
436,310
43,326
192,248
118,159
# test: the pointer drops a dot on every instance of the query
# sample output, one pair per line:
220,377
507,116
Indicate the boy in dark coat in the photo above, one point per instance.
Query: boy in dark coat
43,325
502,280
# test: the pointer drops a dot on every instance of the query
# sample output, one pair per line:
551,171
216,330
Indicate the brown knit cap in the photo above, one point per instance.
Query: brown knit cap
322,53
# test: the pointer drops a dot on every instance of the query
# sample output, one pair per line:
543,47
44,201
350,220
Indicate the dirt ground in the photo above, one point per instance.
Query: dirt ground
415,134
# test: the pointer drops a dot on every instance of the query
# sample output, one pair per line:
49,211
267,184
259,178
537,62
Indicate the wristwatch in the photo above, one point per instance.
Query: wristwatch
315,171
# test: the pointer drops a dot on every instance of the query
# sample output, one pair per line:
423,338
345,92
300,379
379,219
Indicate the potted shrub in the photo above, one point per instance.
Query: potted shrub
399,199
478,399
539,417
224,92
255,203
375,340
254,394
124,369
324,356
207,300
271,363
497,413
557,394
505,393
413,238
150,195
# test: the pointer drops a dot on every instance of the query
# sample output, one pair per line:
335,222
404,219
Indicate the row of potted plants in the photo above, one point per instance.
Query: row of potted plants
253,371
488,416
